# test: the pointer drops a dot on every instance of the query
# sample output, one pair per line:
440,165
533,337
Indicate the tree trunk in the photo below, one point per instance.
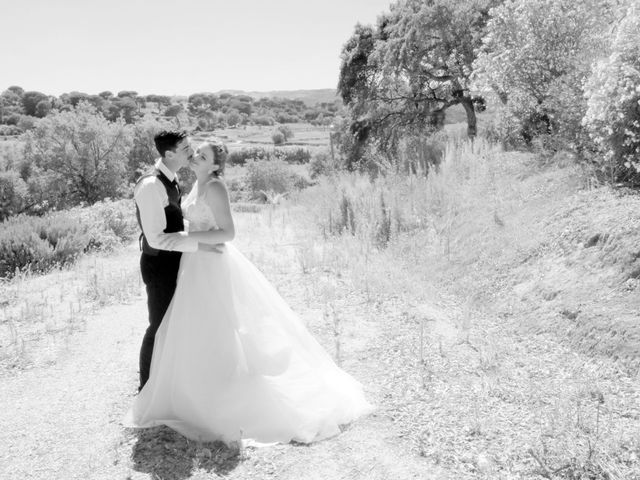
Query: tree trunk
472,127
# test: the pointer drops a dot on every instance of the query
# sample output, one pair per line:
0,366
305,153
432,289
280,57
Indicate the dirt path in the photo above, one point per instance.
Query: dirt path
62,420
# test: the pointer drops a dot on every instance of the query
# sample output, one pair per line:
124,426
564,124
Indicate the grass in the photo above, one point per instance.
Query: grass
539,272
38,313
503,294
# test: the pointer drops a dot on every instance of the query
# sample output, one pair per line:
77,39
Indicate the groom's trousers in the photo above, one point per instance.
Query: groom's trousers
159,274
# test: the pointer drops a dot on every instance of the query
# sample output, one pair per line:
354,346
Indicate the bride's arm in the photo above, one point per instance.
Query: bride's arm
217,198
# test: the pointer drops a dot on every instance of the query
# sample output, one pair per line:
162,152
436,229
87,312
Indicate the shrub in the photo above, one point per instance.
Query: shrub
263,120
14,194
27,123
143,150
613,114
278,138
286,132
41,243
272,176
286,118
110,223
77,156
322,164
239,157
297,155
9,130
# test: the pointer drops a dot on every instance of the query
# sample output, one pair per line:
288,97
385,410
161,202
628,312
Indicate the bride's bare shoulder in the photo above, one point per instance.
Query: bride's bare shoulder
216,188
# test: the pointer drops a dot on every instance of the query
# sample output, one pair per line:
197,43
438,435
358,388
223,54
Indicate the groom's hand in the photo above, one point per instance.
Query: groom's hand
169,241
217,248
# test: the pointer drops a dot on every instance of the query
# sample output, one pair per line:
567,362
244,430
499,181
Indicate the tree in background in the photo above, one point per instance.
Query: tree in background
400,77
76,157
286,132
143,150
613,104
536,55
30,101
43,107
277,138
11,103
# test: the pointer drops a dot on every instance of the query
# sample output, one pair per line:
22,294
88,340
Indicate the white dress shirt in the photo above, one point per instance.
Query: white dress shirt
151,198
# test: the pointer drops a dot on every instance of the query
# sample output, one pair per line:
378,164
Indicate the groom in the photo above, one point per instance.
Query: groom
157,197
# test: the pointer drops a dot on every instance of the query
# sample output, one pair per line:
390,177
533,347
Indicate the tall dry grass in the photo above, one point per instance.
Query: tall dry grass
509,240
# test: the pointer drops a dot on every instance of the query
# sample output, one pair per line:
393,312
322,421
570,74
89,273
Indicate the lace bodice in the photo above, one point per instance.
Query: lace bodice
197,212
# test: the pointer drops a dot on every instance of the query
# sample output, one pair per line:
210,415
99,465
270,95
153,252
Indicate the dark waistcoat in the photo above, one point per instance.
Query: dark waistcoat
172,213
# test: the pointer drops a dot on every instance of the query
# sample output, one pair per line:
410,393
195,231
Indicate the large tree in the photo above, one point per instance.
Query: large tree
536,55
77,156
30,101
401,76
613,104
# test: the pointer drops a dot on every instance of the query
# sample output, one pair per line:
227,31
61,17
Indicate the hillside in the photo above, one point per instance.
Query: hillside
309,97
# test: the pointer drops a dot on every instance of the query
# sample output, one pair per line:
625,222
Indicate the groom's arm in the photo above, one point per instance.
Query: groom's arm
151,198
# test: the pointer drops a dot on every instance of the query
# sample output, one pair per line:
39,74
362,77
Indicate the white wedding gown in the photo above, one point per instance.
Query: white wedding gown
231,361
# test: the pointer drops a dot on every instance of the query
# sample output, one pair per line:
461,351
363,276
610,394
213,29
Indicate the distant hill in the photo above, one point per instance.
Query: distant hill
309,97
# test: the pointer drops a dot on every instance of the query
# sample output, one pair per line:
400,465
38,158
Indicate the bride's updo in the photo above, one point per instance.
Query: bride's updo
220,153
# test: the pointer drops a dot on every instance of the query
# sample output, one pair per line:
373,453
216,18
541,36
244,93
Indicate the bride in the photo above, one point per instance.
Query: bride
231,360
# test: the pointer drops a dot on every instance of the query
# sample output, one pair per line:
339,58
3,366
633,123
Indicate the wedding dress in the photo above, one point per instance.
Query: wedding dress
231,360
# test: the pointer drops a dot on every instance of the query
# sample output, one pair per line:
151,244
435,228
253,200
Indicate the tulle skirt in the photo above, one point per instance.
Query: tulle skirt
231,361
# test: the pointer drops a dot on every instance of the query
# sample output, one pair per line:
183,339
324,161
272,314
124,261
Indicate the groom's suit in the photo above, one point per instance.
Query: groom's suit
157,198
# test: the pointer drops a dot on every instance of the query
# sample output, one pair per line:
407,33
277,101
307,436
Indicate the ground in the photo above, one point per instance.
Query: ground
462,390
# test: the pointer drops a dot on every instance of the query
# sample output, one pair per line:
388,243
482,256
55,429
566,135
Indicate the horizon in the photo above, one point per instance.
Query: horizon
127,45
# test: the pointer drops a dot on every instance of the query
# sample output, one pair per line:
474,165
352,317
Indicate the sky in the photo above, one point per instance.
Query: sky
176,47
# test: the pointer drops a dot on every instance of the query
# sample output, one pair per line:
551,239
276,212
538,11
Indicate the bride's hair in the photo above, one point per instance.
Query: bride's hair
220,153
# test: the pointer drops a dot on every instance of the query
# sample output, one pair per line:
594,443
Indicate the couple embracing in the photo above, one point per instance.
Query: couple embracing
224,357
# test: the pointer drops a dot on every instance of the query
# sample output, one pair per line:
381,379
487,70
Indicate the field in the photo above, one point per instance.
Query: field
489,310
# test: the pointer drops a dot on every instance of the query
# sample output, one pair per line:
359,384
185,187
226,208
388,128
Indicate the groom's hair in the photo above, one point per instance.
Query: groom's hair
168,140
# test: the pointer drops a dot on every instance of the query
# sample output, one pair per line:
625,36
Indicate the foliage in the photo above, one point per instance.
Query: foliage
10,130
143,150
39,243
77,156
59,238
14,194
536,55
268,177
30,101
322,164
293,155
400,77
613,96
239,157
286,132
278,137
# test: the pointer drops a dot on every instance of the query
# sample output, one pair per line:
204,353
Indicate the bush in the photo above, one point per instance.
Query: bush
10,130
286,118
286,132
267,177
77,157
297,155
613,114
239,157
263,120
143,152
41,243
322,164
110,224
27,122
14,194
278,138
